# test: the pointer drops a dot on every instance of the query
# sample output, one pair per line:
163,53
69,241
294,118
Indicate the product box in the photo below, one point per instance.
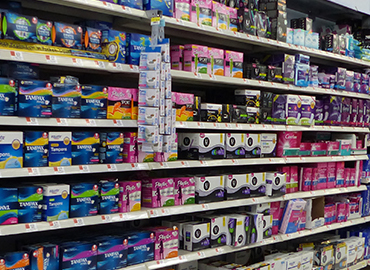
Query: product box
184,105
166,243
176,51
36,147
209,189
43,253
94,102
149,98
148,116
119,103
112,252
201,12
196,57
216,56
108,196
341,252
292,215
249,98
201,146
218,229
8,97
9,206
211,112
135,43
66,100
16,260
275,184
92,38
197,236
233,64
252,145
288,143
111,147
19,27
34,98
267,226
84,200
239,230
235,145
85,148
307,110
55,205
140,247
301,75
184,190
158,192
60,149
129,196
86,252
67,35
220,18
268,144
256,228
44,32
237,186
11,150
114,46
305,178
30,203
257,184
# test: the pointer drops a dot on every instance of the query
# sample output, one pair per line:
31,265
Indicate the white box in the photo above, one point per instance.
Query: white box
340,261
162,107
168,107
149,79
256,227
218,229
275,184
161,125
236,186
209,189
252,145
235,145
148,97
148,116
261,208
148,134
306,260
267,226
236,235
351,251
308,103
268,144
195,235
293,261
150,61
257,183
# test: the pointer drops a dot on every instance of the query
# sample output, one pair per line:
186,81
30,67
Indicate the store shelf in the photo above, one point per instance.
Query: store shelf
126,167
146,213
185,256
55,122
263,127
201,30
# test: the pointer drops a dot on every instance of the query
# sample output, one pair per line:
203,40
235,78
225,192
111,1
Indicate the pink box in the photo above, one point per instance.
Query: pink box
328,214
332,183
340,175
184,190
305,149
201,12
158,192
196,58
276,210
288,143
130,147
219,21
333,148
216,63
177,54
286,170
294,178
359,145
320,176
319,149
166,243
352,177
234,64
182,10
129,196
302,221
135,102
342,211
347,176
305,179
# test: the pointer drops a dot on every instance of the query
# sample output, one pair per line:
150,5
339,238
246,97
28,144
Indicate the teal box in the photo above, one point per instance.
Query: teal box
19,27
135,44
8,97
36,148
60,149
85,147
30,203
166,6
94,100
55,204
109,196
138,4
114,45
17,260
44,32
84,200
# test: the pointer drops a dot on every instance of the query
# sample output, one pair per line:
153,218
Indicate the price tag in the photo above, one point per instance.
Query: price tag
153,213
33,171
51,59
201,254
165,211
127,9
238,126
59,170
203,163
155,21
219,250
32,121
201,26
62,121
31,227
262,83
15,55
163,164
106,218
112,167
235,161
78,222
117,66
118,123
205,206
123,216
182,258
181,22
201,124
212,77
134,68
216,125
54,225
100,64
108,5
185,163
84,168
160,262
198,75
90,122
237,34
77,62
246,81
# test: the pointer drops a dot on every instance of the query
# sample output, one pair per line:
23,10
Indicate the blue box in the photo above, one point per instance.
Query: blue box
60,149
30,202
55,204
109,196
44,31
85,148
34,98
112,252
46,253
8,97
140,247
94,100
17,70
17,260
92,39
301,74
66,101
78,255
114,45
166,6
67,35
19,27
134,45
11,150
36,148
138,4
111,147
84,200
8,198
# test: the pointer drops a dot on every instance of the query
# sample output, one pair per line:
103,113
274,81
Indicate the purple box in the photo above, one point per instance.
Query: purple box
357,82
346,111
364,83
278,114
354,112
324,80
360,113
340,78
332,110
313,80
349,80
319,112
366,113
158,192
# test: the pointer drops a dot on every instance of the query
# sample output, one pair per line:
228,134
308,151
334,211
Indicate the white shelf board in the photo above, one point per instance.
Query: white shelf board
146,213
263,127
185,256
139,15
70,122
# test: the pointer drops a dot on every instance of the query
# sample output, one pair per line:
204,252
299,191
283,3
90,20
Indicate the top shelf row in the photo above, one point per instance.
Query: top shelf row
139,19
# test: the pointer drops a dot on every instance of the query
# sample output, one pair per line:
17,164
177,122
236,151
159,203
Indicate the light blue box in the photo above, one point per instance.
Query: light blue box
299,37
166,6
60,149
56,202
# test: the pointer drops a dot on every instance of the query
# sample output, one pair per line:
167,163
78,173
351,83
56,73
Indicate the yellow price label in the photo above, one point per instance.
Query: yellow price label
155,20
